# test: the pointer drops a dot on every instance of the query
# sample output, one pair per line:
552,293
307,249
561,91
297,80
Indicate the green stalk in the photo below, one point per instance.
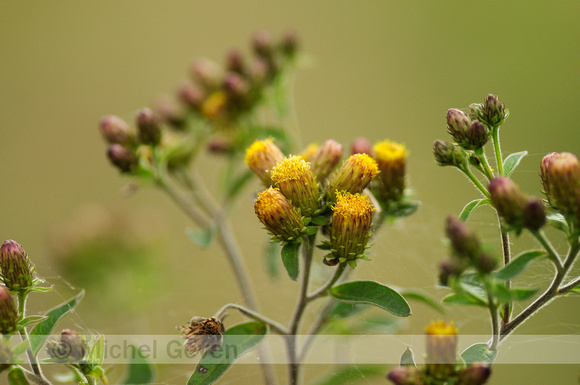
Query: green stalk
497,149
475,181
483,159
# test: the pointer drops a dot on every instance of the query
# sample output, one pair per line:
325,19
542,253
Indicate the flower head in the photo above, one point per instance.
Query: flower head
278,216
122,157
115,130
17,270
441,349
148,127
261,157
492,112
508,200
296,181
202,333
69,347
8,313
351,226
325,158
391,158
354,175
560,174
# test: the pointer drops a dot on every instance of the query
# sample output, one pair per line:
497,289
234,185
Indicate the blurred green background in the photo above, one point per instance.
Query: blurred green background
379,69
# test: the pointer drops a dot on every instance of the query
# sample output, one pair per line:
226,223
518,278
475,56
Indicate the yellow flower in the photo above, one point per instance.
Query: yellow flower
214,105
391,158
278,216
261,157
297,182
354,175
309,151
441,349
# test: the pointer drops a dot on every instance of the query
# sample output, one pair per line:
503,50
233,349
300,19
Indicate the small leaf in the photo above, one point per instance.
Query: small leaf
237,341
520,294
324,246
372,293
558,221
139,370
471,207
40,333
272,259
346,375
511,162
478,353
16,376
320,220
19,349
37,289
463,299
290,253
407,358
31,320
422,297
203,237
402,209
575,290
97,353
518,264
310,230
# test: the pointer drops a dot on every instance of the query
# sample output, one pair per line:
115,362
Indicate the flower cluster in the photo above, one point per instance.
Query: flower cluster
441,362
560,175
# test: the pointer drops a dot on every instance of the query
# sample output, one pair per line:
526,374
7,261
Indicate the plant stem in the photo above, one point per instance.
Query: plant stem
316,327
475,181
24,334
294,365
483,159
505,245
275,326
552,253
552,292
324,288
495,329
497,149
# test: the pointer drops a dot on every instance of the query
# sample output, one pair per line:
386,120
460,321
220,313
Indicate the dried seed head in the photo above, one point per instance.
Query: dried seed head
202,334
261,157
262,43
278,216
289,43
296,181
17,270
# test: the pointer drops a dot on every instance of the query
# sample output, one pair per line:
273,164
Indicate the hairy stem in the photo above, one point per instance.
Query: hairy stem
505,245
495,328
483,159
497,149
552,253
24,335
275,326
475,181
323,290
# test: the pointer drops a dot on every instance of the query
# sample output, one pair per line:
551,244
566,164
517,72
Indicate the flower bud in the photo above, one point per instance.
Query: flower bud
235,86
361,145
476,135
457,124
325,159
192,95
451,267
279,217
309,152
148,127
260,71
354,175
235,62
296,181
214,106
560,174
492,112
70,347
474,374
17,270
169,111
405,375
464,242
485,263
441,349
392,161
352,217
289,43
443,152
217,145
534,215
206,73
6,356
8,314
115,130
508,200
261,157
122,158
262,43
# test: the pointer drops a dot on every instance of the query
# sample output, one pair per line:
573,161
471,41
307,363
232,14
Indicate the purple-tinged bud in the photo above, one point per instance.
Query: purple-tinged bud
443,152
361,145
235,62
441,349
70,347
325,159
279,217
17,270
6,356
261,157
168,110
485,263
192,95
219,145
405,375
354,175
289,43
122,158
560,174
8,314
476,135
206,73
534,215
464,242
492,112
235,86
115,130
451,267
457,124
508,200
474,374
260,71
262,43
148,127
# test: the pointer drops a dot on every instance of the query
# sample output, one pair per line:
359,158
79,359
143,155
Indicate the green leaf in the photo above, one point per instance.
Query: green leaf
97,353
19,349
345,310
422,297
471,207
402,209
310,230
290,258
518,264
16,376
463,299
558,221
478,353
520,294
237,340
40,333
139,370
372,293
37,289
31,320
512,161
346,375
407,358
203,237
320,220
272,259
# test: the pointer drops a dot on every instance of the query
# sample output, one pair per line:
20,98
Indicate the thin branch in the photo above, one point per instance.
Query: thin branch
324,288
275,326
